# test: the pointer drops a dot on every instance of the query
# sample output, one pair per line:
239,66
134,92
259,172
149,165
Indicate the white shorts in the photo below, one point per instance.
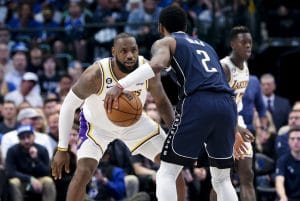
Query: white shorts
145,137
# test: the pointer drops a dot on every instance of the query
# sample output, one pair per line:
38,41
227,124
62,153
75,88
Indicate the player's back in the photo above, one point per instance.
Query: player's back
197,66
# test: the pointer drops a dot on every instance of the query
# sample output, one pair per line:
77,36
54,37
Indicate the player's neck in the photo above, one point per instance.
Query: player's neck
116,70
238,62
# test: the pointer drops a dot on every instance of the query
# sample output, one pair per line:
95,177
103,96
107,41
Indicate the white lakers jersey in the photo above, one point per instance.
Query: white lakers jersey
239,79
93,107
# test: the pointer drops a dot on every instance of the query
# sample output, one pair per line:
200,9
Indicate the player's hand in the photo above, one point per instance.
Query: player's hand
240,147
61,159
111,98
246,134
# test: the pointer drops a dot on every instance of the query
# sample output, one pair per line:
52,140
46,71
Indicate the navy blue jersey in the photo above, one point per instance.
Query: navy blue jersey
197,67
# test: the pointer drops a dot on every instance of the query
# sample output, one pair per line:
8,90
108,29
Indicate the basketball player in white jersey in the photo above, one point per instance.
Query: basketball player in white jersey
237,73
96,131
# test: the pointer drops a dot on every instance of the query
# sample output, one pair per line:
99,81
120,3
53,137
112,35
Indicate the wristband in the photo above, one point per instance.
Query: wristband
142,73
119,86
62,149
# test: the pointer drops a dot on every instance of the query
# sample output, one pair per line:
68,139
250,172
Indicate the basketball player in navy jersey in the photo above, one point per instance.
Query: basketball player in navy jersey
206,113
144,137
237,74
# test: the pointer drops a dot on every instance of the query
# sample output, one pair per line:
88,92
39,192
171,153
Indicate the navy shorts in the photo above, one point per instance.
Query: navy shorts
204,121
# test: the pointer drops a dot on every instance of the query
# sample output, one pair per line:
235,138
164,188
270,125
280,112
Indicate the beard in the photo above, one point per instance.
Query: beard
125,69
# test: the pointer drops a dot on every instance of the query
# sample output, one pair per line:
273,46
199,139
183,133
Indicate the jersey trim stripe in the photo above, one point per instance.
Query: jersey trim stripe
90,135
148,137
183,76
111,71
102,79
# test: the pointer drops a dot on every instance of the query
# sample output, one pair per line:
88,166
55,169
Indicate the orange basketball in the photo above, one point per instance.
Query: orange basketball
129,111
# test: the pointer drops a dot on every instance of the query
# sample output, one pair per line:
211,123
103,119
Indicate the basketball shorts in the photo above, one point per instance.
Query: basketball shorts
145,137
204,120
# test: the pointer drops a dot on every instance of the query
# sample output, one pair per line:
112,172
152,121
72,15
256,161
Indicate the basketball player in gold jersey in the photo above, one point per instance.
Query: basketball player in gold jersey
144,137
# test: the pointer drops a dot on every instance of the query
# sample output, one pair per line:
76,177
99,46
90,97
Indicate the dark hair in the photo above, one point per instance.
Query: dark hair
50,100
122,35
173,18
294,129
237,30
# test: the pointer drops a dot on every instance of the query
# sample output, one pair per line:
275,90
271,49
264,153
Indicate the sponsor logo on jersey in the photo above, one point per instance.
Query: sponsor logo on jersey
108,80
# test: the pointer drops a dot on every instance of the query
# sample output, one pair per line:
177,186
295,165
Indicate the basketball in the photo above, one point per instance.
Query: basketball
129,111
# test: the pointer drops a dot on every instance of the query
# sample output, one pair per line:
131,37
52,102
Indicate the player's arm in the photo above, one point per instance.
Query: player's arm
226,72
163,104
88,83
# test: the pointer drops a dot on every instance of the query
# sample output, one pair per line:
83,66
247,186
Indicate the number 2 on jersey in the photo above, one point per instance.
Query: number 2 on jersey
205,60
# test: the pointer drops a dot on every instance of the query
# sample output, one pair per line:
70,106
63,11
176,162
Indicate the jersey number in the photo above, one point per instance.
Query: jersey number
205,60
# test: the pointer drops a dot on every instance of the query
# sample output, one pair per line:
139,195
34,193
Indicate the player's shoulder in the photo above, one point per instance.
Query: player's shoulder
94,71
225,60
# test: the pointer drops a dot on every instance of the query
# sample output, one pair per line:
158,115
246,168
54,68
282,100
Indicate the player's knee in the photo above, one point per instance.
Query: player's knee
219,176
246,176
157,159
246,173
83,173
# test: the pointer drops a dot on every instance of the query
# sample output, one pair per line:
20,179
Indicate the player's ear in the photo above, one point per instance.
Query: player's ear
160,28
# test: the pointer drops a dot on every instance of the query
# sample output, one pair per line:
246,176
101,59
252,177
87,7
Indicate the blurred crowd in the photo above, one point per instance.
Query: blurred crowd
45,45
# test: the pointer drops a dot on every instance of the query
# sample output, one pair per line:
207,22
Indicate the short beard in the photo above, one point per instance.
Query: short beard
124,69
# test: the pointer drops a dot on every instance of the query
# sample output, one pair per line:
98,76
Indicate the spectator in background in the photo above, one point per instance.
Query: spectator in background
19,60
75,30
265,136
75,69
281,146
5,37
133,4
9,113
26,116
48,22
50,106
5,86
24,19
287,178
109,13
53,128
49,76
142,23
5,60
26,91
4,186
145,170
65,84
277,105
41,124
284,129
28,166
35,60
